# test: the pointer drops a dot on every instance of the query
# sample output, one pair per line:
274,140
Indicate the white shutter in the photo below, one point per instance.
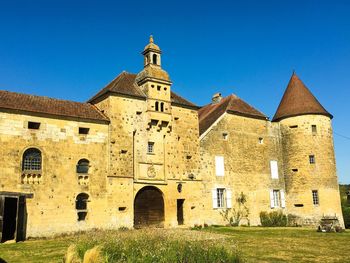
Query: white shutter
283,199
219,166
272,202
274,169
228,198
215,198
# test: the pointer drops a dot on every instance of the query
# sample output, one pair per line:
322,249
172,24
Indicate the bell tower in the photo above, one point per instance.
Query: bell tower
156,84
152,54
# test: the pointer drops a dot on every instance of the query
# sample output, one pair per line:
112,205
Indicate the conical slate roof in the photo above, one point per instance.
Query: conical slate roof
231,104
298,100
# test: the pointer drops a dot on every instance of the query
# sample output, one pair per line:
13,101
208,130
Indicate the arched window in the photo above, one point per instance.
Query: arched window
155,59
83,166
31,160
157,106
81,205
162,106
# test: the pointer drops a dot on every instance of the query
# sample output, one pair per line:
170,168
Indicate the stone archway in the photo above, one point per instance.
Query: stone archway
149,207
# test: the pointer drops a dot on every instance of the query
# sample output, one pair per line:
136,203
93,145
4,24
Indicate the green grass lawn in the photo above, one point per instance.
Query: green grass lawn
283,244
256,244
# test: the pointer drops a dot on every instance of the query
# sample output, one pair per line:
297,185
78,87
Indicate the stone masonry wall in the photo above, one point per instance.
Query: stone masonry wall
246,162
299,142
52,209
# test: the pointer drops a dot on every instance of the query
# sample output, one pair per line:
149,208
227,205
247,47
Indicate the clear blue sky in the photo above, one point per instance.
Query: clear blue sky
71,49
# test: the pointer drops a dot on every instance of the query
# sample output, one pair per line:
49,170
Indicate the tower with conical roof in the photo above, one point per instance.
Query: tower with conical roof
308,154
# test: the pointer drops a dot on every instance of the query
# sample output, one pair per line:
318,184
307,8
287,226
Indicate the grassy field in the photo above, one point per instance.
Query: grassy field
254,244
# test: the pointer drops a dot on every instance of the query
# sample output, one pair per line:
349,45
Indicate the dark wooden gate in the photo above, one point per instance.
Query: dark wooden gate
149,208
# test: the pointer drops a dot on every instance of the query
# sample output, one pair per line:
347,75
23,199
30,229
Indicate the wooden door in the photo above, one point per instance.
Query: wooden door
21,219
149,207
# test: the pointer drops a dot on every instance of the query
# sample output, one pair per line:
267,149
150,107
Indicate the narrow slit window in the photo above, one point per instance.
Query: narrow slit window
156,106
162,106
33,125
83,130
312,159
314,129
315,199
293,126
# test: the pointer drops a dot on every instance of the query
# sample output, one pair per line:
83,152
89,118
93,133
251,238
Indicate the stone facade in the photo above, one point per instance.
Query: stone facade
156,159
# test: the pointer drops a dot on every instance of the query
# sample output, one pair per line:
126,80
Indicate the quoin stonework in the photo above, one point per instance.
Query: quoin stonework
137,154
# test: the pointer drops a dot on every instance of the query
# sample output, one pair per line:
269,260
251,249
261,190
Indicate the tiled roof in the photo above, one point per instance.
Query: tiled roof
298,100
125,84
231,104
39,104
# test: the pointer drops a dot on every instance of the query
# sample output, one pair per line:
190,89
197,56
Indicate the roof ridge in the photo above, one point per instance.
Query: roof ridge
44,97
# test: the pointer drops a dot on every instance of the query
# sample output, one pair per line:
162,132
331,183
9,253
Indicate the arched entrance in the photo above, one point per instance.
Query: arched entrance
149,208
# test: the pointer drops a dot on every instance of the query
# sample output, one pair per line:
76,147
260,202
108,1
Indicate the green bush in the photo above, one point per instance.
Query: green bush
273,219
346,215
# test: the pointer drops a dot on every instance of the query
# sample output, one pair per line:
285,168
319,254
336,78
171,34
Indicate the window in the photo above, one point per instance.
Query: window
222,198
261,140
314,129
83,166
158,88
81,206
274,169
150,148
225,136
83,130
312,159
293,126
31,160
162,106
277,198
155,59
33,125
315,197
156,106
219,166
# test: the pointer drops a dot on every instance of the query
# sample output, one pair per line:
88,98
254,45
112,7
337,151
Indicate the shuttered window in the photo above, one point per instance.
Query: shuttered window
277,199
274,169
219,166
222,198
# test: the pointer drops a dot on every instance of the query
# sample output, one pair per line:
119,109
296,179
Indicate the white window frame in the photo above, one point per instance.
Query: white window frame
222,198
277,198
219,166
274,169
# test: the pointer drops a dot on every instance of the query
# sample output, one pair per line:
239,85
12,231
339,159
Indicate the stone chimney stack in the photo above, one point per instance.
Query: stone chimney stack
216,98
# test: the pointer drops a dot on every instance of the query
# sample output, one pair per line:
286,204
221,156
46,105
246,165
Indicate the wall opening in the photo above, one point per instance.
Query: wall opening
180,211
149,208
9,219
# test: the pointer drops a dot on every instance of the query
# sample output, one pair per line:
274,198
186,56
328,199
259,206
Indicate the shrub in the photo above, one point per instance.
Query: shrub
273,219
346,215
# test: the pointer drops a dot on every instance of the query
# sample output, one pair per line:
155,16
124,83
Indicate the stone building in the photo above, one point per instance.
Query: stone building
137,154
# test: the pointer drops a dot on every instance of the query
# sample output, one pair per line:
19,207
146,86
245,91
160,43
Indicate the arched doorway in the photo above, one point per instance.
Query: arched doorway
149,208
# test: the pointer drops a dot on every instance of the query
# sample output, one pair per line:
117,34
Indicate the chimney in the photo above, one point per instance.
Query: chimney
216,98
